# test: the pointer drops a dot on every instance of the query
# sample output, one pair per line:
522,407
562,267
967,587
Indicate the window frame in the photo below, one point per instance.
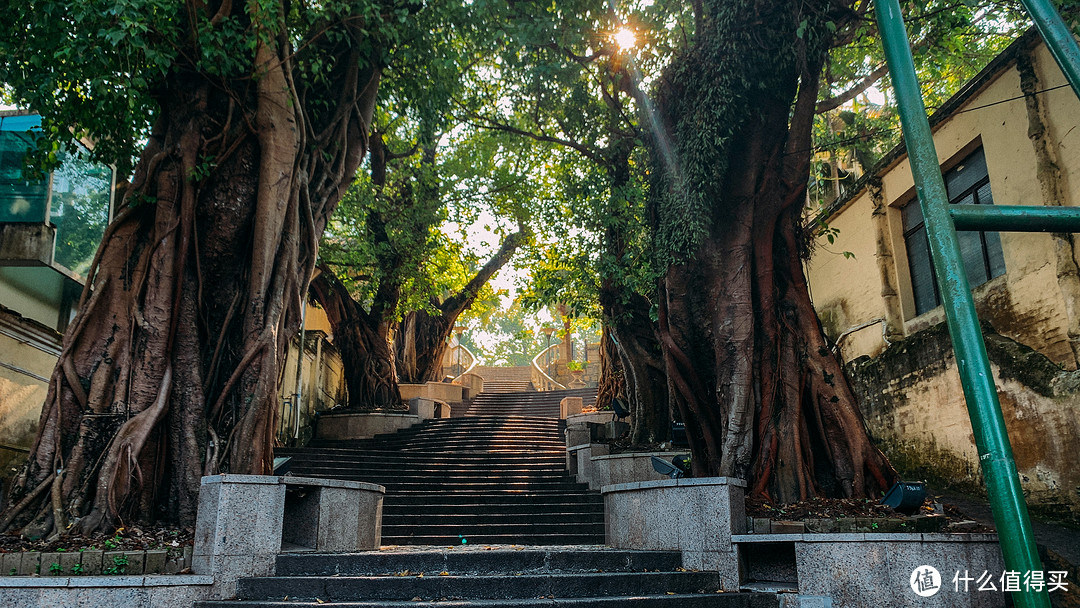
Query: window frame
906,233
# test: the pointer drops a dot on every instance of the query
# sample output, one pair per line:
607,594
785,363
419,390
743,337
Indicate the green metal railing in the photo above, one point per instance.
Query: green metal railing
942,221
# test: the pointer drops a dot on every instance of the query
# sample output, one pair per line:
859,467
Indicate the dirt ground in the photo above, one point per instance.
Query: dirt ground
132,538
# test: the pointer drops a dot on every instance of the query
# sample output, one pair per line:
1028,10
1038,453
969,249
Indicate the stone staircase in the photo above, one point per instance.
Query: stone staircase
504,524
490,477
544,404
505,379
479,577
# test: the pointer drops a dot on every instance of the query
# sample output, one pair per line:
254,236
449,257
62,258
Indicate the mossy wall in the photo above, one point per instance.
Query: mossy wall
911,397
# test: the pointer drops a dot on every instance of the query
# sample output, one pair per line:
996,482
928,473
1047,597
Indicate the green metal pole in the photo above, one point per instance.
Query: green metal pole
991,437
1015,218
1058,39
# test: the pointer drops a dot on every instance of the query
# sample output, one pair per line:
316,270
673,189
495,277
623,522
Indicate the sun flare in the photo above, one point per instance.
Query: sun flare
625,38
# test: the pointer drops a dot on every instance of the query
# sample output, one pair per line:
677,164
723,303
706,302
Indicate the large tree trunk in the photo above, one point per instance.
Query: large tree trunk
421,340
169,370
362,338
643,368
749,370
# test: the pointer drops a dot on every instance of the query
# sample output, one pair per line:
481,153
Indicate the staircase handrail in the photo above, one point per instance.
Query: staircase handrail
540,379
473,361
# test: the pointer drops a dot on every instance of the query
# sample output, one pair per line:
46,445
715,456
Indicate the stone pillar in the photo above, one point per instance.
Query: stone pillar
570,406
695,516
238,530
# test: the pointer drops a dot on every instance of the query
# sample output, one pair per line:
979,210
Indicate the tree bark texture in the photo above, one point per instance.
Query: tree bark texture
748,367
169,370
421,339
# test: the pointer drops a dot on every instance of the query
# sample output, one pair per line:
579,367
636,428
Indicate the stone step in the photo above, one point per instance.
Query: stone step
498,560
422,516
505,498
493,467
502,539
479,476
716,600
437,527
524,509
473,487
433,586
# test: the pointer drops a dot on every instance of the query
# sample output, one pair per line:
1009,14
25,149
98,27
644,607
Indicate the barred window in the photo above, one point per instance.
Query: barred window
966,184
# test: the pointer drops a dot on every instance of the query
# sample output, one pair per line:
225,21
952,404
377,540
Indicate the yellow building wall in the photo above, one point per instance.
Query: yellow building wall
911,394
1024,304
24,370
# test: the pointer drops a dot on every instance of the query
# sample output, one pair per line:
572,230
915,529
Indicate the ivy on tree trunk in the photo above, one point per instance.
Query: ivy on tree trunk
747,363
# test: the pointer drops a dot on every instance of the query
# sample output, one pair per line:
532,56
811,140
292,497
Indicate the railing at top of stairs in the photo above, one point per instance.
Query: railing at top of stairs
942,220
455,356
540,379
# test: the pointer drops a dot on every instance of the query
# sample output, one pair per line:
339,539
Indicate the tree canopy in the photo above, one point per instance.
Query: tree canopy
662,178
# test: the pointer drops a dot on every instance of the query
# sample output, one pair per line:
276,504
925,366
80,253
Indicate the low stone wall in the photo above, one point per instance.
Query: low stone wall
86,563
245,521
695,516
440,391
362,425
472,383
581,419
579,459
151,591
856,570
612,469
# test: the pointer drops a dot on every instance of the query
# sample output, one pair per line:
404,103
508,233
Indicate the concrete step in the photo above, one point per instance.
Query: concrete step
519,510
504,498
502,539
437,527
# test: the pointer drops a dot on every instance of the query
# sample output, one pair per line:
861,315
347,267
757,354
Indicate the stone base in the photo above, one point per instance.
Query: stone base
695,516
852,570
244,521
118,591
440,391
612,469
362,425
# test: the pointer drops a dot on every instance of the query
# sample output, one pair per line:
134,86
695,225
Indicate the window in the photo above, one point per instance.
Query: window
966,184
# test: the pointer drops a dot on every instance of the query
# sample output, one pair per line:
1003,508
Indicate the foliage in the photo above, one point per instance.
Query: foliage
98,65
510,336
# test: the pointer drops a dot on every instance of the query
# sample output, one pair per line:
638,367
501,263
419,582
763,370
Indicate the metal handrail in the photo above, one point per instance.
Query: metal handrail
540,379
472,359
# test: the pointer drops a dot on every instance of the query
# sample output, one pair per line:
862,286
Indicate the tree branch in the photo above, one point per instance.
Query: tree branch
832,103
485,122
455,305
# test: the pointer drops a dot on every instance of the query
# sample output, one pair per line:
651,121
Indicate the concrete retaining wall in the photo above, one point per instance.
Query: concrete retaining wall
440,391
856,570
579,459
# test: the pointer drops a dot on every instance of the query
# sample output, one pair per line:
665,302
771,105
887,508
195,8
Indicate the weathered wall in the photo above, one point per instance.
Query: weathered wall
322,379
911,397
28,352
902,363
1027,302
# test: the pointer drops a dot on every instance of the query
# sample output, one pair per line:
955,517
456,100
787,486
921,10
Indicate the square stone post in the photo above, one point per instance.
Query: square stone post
238,530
